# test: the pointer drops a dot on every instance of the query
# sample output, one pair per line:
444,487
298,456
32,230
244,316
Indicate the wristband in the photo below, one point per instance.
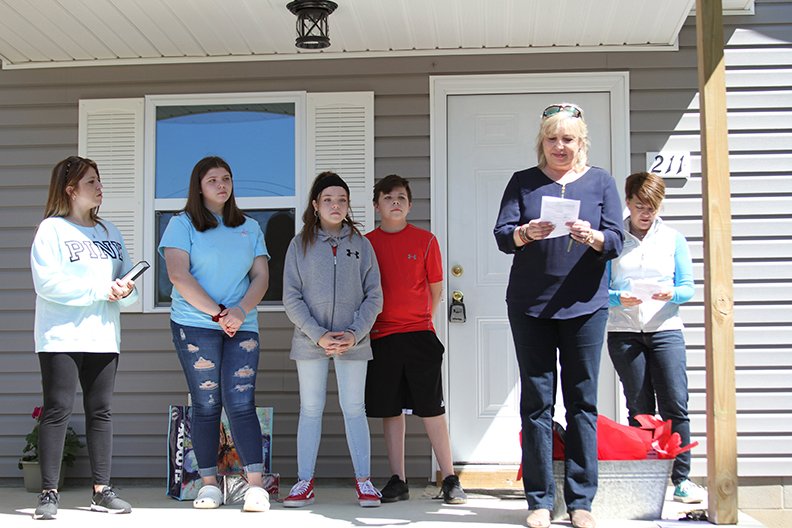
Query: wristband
216,318
522,232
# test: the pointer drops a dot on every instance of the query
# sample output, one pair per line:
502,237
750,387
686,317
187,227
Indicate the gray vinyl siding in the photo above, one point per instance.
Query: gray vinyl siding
665,112
38,126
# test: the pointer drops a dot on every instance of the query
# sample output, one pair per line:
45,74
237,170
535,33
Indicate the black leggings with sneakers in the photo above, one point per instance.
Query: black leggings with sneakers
60,372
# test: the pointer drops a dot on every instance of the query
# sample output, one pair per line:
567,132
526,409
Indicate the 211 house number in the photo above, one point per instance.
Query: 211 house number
669,164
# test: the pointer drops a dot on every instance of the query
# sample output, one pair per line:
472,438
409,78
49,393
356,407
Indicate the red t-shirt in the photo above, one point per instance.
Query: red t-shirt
409,261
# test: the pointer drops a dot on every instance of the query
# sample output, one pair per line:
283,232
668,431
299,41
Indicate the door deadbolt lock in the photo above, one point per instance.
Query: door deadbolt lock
456,312
457,270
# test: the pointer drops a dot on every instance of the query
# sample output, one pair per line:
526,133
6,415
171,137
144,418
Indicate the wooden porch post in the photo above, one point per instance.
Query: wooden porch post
718,290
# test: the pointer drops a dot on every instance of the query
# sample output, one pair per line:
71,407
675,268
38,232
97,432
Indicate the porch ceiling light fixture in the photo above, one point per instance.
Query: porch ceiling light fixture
312,28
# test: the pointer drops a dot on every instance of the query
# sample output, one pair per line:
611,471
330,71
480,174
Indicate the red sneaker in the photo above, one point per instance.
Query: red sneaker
301,494
368,496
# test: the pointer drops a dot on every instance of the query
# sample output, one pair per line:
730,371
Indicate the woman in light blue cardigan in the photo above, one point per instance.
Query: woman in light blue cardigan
647,283
332,294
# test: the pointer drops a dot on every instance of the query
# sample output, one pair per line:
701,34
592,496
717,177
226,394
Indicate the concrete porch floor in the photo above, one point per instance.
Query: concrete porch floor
335,507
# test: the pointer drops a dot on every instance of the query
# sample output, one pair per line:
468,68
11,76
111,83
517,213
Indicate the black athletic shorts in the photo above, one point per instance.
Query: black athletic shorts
405,374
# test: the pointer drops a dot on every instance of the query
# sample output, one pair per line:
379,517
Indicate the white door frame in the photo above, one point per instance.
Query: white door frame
440,87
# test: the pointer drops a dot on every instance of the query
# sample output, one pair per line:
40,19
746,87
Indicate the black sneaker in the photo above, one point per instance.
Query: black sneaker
47,507
452,491
395,490
107,501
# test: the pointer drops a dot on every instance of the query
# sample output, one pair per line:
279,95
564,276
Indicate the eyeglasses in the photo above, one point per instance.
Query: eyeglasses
552,110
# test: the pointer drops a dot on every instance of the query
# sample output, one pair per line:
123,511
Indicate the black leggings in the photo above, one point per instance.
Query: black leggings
59,374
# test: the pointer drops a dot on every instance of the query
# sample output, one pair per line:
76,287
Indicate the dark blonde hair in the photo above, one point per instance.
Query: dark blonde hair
68,173
310,217
573,125
647,187
202,218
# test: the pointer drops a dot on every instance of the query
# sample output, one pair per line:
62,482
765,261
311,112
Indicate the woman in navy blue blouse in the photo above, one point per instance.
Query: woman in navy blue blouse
557,300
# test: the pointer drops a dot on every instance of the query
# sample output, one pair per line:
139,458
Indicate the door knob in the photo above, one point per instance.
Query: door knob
457,270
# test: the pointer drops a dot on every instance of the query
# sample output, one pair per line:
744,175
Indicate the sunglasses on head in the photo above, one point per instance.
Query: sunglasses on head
552,110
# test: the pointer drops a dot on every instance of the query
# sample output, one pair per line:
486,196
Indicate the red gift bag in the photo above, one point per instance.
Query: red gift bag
665,443
621,442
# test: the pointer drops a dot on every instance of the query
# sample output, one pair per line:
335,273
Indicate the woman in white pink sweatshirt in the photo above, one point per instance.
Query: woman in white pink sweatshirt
77,260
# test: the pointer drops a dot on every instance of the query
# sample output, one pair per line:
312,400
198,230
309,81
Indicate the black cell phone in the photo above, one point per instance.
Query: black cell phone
136,271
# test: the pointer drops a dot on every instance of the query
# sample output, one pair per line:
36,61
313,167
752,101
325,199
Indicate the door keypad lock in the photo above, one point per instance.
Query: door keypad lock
456,313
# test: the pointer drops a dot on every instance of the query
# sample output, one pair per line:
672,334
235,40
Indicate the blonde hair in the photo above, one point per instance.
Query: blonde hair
571,125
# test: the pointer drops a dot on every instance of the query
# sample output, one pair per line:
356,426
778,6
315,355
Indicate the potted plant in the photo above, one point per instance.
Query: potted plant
29,462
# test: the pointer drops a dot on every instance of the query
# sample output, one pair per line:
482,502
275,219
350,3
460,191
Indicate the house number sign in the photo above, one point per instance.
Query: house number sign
669,164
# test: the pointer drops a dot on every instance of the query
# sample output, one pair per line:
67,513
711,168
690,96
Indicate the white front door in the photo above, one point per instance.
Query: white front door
489,137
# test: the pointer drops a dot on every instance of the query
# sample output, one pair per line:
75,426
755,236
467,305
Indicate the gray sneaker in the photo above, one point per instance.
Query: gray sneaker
109,502
47,507
452,491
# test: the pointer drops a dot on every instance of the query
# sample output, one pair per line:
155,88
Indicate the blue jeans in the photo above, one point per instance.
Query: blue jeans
654,364
221,372
579,344
351,378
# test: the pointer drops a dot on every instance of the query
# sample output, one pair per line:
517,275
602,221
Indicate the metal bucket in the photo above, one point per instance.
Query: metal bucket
628,489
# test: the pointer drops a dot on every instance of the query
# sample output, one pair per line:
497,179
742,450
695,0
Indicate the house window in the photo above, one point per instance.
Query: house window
260,136
275,143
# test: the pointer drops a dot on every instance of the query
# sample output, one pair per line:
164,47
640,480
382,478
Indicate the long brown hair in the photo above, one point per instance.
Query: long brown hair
201,217
311,218
68,173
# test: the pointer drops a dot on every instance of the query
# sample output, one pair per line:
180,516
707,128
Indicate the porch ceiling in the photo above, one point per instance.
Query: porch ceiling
55,33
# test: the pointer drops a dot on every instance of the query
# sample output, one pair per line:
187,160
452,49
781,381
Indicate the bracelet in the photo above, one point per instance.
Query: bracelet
216,318
522,232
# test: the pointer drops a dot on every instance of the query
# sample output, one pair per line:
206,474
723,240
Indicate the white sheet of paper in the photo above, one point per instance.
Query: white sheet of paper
644,289
559,211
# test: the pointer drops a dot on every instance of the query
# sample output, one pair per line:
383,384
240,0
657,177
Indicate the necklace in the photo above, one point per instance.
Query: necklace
93,230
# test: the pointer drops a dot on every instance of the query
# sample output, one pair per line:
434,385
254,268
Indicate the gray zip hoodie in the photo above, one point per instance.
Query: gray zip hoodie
326,290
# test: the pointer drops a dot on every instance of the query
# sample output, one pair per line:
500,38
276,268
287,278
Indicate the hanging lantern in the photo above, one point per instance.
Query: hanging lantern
312,28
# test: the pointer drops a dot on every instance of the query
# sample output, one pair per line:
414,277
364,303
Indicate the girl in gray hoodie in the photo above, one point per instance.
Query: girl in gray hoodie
332,294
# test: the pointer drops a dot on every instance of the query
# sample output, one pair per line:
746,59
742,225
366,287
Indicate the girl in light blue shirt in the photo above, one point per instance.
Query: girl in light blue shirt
217,262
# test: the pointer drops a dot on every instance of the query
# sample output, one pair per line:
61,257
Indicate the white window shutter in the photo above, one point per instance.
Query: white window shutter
111,134
341,139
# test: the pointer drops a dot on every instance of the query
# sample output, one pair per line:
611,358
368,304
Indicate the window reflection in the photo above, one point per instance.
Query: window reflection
257,141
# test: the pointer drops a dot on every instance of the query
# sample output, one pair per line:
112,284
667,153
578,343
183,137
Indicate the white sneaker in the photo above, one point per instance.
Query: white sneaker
209,497
256,500
689,492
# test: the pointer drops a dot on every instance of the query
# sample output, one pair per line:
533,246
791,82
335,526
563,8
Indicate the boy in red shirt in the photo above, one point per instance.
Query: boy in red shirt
406,370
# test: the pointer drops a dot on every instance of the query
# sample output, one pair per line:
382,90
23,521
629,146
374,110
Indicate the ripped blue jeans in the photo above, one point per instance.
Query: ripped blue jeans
221,373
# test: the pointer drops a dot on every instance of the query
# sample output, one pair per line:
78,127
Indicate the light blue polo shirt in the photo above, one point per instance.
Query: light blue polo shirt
220,259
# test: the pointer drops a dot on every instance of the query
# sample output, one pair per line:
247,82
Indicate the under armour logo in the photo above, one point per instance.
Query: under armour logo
412,256
357,253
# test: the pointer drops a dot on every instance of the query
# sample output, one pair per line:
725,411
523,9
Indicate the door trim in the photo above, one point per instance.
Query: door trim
441,87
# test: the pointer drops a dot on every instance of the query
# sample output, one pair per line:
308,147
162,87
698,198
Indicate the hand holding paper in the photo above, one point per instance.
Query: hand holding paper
644,289
559,211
